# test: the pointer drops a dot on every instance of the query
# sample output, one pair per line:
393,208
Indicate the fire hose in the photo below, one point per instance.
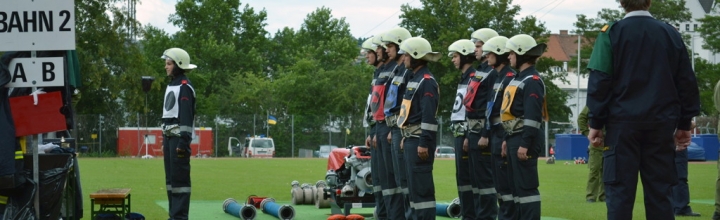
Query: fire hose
451,210
245,212
283,212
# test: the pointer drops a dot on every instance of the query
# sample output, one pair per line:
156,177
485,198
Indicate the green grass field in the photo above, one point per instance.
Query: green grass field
562,187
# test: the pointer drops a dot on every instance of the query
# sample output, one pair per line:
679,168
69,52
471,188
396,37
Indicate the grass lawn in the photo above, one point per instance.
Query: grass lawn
215,179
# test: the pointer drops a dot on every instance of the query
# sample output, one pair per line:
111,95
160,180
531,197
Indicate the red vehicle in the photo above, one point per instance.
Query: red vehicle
131,141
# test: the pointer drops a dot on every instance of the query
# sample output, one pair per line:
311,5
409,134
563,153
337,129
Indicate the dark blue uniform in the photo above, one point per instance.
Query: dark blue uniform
376,159
459,125
497,135
641,88
176,148
681,191
485,195
392,194
524,101
422,94
396,90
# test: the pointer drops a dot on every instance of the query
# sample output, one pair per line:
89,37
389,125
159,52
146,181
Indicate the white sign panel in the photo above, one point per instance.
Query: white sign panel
37,25
37,72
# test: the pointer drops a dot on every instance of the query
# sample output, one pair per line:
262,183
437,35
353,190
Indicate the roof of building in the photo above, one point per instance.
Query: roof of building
707,5
562,47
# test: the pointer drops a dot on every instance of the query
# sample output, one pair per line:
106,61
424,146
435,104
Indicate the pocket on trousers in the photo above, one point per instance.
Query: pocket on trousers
423,181
609,167
529,174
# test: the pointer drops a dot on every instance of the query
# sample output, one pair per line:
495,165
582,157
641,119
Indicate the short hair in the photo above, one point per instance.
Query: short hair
635,5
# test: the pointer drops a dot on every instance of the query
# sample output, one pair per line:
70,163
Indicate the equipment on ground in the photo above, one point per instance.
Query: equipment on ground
245,212
348,183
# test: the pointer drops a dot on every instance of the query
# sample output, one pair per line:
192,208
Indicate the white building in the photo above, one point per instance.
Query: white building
698,9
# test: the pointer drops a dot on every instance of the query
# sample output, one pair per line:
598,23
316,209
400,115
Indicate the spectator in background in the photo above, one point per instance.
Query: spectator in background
681,191
595,189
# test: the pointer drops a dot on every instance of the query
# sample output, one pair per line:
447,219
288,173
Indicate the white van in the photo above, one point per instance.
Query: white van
260,147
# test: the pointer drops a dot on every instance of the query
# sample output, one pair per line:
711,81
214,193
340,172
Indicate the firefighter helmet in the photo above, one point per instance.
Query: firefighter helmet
419,48
395,35
180,57
484,34
495,45
523,44
463,47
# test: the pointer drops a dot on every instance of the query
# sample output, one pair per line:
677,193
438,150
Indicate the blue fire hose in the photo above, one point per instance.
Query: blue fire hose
451,210
283,212
245,212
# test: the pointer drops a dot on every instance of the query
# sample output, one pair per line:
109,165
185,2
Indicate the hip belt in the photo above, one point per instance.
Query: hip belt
475,125
391,121
411,131
495,120
459,128
172,130
513,126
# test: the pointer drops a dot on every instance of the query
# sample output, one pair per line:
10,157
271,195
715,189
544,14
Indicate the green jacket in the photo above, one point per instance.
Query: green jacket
582,122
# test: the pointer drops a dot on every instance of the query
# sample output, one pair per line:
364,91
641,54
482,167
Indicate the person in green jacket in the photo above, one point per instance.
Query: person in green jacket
716,99
595,187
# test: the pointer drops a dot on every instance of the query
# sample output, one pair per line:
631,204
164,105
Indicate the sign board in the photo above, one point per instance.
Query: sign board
37,25
37,72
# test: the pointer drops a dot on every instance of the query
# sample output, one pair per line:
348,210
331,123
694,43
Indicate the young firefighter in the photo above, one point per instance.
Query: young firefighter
419,126
177,123
371,140
497,57
397,194
523,109
479,37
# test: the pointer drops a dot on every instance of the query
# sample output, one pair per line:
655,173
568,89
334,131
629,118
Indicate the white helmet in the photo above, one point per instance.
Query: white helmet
463,47
523,44
180,57
395,35
495,45
368,45
484,34
377,40
419,48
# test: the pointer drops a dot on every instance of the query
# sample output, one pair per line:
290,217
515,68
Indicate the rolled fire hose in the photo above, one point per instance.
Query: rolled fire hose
283,212
308,193
451,210
245,212
320,200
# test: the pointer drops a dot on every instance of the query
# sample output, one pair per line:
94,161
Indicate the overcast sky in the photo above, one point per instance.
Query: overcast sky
366,17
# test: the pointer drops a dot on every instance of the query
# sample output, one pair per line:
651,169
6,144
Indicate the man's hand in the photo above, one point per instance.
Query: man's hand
465,145
483,142
374,141
682,140
402,142
596,137
423,153
367,141
389,137
504,149
522,154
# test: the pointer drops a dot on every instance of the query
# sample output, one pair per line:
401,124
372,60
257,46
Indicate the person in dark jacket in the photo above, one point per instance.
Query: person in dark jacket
419,125
178,127
643,91
522,112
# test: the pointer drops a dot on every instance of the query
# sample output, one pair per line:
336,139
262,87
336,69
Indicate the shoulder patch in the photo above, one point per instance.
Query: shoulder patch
509,74
472,74
536,77
605,28
427,76
184,81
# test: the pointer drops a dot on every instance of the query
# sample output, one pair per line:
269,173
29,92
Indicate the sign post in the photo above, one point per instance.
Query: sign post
32,25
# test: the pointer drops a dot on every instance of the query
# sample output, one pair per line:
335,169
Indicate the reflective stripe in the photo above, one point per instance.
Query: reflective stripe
412,205
18,155
3,200
531,123
486,191
429,127
507,198
425,205
398,79
385,74
529,199
496,86
168,187
413,85
387,192
465,188
181,190
377,189
405,191
186,128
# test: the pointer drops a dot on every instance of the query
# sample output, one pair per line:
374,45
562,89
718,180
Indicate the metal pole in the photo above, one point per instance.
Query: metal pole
217,129
547,137
577,92
254,124
100,133
292,135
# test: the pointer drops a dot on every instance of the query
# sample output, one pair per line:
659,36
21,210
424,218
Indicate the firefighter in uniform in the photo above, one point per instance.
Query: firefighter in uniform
371,141
479,37
419,125
642,90
468,123
522,112
397,193
178,117
497,57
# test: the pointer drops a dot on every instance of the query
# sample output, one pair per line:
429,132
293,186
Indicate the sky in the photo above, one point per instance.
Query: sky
368,17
